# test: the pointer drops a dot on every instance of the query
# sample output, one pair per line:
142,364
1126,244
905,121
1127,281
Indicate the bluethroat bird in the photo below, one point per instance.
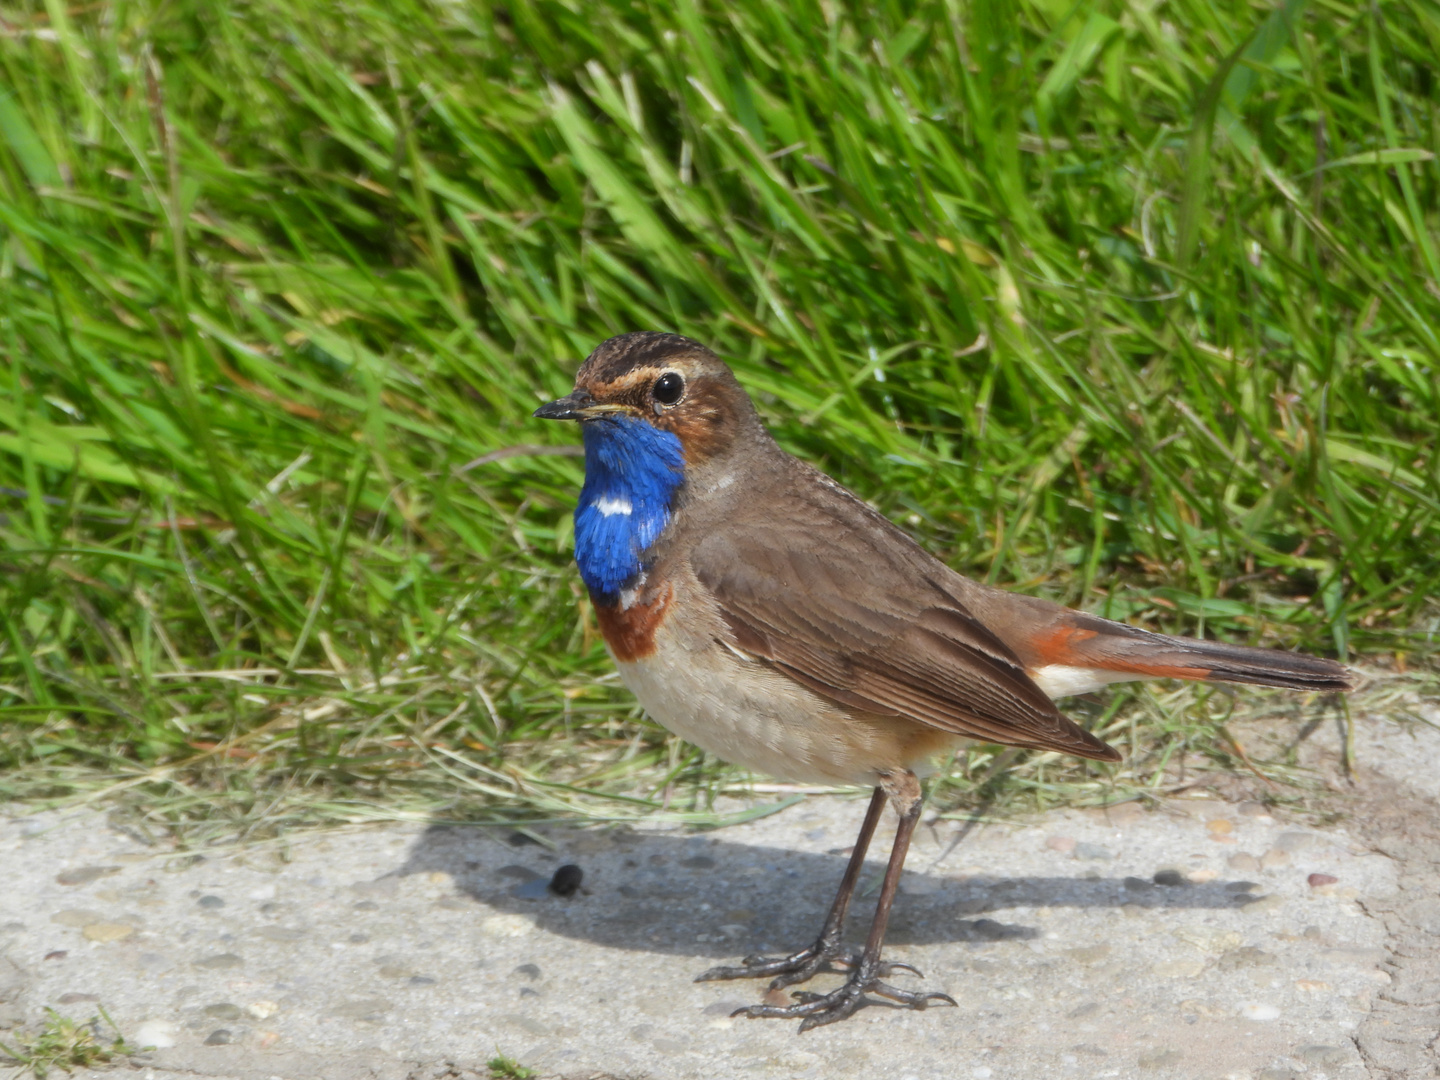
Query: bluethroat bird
761,611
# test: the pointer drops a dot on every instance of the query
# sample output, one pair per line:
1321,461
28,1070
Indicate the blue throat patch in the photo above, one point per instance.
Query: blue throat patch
632,469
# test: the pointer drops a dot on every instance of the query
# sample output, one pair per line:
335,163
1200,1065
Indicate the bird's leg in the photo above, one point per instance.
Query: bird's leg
817,1009
800,966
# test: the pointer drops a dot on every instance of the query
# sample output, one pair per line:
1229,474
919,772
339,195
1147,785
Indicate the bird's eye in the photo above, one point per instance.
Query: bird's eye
668,388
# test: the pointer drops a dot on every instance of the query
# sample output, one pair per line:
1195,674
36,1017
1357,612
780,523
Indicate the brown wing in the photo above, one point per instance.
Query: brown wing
839,599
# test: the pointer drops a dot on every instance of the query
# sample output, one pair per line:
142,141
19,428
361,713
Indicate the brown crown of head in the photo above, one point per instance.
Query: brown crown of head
673,382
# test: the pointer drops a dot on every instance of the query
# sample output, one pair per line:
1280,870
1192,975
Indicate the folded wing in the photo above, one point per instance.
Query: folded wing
840,600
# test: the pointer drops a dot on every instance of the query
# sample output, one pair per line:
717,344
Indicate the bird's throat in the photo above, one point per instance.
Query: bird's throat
632,471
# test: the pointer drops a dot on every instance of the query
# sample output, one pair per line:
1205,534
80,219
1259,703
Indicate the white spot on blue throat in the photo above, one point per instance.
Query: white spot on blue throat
610,507
632,471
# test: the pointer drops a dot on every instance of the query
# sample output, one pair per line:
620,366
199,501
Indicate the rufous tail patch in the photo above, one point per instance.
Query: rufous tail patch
1066,645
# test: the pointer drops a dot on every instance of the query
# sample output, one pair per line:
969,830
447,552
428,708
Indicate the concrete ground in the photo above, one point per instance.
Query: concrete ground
1281,947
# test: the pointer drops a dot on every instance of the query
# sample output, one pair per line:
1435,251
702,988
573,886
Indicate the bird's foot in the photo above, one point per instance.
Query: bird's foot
816,1010
801,966
798,967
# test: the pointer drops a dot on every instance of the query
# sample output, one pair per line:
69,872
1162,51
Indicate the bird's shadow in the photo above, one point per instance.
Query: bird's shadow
706,895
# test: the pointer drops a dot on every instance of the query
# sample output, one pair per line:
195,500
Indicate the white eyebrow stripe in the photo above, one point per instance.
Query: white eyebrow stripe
609,507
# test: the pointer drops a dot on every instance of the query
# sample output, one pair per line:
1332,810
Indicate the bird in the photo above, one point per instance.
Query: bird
761,611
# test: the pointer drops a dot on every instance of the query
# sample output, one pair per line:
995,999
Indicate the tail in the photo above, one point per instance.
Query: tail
1116,652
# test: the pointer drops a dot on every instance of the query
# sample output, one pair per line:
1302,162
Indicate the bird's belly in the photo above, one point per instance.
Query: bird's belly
745,712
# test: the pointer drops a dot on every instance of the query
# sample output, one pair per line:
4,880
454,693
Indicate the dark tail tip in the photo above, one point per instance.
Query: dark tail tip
1275,667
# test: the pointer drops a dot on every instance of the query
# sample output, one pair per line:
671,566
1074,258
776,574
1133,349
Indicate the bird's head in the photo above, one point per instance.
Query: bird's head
656,412
662,381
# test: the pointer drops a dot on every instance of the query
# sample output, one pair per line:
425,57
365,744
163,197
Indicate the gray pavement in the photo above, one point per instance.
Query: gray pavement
1291,947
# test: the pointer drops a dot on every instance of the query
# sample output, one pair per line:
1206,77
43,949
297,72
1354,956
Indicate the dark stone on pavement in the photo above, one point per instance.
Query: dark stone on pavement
566,881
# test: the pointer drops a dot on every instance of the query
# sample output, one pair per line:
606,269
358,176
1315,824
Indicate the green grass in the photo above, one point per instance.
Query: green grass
65,1044
1134,305
507,1068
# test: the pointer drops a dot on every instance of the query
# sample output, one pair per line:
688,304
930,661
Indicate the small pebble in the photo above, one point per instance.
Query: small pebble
223,1010
1252,809
1179,969
1274,859
566,880
1065,844
368,1009
365,905
421,980
262,1010
695,862
76,917
1262,904
219,962
1292,841
1170,878
57,954
1242,862
219,1037
210,902
530,971
1316,880
75,999
157,1033
1220,826
84,875
1160,1059
1241,886
1324,1055
1247,957
529,1024
1257,1010
281,933
1092,851
108,931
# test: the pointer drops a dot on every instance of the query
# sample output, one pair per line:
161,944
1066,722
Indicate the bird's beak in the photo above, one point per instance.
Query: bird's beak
578,405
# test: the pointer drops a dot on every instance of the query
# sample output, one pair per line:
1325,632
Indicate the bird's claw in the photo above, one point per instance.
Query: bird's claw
817,1010
787,970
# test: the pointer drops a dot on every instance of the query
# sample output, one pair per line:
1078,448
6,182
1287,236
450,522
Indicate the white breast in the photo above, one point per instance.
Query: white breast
745,712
